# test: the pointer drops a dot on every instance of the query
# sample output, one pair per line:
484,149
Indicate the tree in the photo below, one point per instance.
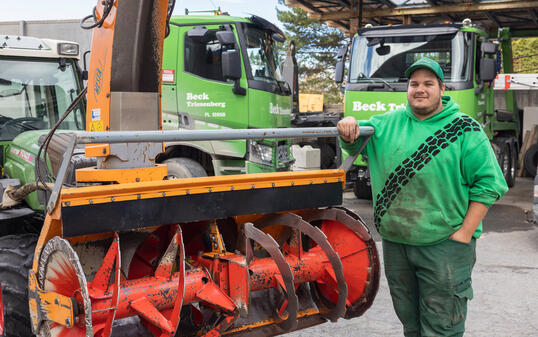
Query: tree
316,46
525,54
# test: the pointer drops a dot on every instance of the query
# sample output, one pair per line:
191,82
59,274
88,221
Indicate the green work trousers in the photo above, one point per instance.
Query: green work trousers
430,286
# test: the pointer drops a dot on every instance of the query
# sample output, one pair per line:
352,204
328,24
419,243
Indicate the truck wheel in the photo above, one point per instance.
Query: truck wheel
328,155
16,254
362,189
531,159
511,180
179,168
502,152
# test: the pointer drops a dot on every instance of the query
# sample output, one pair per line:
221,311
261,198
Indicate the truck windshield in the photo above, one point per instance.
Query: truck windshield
387,58
34,95
262,54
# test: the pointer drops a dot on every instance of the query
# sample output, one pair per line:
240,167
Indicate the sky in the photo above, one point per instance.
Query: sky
29,10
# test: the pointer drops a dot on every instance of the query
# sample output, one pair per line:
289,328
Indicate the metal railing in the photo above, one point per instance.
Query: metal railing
188,135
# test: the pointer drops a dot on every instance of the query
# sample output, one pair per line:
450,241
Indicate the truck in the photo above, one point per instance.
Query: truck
39,80
470,61
215,83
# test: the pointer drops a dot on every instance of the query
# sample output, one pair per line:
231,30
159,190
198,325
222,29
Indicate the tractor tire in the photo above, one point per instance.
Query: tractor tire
531,159
16,255
179,168
362,189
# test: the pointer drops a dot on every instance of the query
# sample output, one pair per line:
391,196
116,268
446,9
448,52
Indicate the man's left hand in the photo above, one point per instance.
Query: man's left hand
461,236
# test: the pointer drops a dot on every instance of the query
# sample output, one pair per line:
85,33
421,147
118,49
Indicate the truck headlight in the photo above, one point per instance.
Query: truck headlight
70,49
259,153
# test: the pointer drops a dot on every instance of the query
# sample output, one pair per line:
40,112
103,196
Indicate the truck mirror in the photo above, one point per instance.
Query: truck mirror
339,72
231,69
341,59
226,37
487,69
231,65
197,32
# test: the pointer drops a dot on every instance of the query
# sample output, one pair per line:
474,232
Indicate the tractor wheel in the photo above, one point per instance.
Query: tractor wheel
16,255
362,189
179,168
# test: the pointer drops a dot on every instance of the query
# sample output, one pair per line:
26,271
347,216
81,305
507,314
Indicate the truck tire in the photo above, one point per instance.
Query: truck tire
502,152
531,159
362,189
511,181
16,255
179,168
328,156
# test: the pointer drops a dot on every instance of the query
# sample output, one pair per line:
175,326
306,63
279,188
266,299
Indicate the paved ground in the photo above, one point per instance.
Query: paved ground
505,278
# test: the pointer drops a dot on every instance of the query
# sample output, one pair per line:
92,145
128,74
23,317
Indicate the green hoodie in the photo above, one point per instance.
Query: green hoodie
424,173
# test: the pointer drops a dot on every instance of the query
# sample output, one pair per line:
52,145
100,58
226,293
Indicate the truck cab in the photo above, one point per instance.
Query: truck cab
223,72
39,79
376,82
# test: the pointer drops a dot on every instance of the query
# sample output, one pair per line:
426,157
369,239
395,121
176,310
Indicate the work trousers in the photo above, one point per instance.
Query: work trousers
430,286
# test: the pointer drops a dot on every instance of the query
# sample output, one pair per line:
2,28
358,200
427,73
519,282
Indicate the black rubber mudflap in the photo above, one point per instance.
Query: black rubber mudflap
16,255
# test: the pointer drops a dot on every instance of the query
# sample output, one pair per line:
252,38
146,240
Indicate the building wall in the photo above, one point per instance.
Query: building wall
524,98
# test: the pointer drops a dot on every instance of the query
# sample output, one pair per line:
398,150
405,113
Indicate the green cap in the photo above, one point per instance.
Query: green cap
426,63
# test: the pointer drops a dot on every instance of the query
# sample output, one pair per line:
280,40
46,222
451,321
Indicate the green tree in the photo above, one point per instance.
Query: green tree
316,48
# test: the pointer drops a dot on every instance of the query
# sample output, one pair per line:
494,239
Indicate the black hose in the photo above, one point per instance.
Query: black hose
45,145
171,5
97,23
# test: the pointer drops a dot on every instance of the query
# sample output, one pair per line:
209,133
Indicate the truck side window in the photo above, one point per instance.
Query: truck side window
203,56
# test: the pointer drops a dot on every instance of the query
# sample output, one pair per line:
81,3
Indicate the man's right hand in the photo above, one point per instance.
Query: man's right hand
348,128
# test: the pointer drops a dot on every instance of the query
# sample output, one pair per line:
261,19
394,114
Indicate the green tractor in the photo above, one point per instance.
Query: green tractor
376,82
39,80
223,72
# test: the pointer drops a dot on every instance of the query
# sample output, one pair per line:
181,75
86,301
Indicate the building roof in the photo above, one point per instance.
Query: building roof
521,16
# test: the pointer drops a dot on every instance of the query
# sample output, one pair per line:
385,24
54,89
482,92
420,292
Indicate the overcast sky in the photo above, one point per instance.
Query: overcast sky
76,9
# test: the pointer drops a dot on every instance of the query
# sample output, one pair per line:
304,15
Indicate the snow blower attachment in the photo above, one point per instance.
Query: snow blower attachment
250,255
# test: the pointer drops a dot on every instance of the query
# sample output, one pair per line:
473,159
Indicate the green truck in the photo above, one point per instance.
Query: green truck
376,82
223,72
39,79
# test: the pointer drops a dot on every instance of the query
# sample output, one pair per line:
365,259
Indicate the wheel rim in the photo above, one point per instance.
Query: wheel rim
506,164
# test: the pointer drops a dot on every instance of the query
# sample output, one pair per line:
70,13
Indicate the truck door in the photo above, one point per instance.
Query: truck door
205,99
170,115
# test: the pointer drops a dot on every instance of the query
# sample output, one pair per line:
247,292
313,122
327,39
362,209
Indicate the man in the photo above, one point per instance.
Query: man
433,175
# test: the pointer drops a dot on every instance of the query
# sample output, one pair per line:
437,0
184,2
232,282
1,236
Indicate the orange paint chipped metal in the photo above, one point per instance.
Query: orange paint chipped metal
300,314
97,150
157,189
92,174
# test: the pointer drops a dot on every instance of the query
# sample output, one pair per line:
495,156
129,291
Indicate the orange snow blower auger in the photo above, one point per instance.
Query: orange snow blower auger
253,254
